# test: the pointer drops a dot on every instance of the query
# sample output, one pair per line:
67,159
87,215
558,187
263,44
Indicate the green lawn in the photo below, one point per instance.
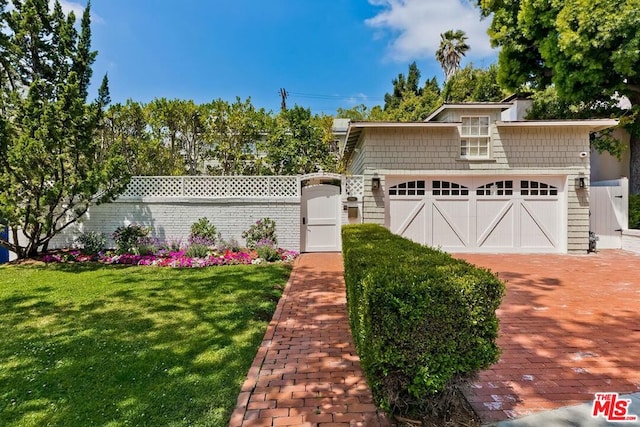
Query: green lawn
84,345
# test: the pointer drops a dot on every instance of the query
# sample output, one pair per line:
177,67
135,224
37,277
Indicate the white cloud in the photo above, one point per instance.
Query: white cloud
77,9
416,25
357,99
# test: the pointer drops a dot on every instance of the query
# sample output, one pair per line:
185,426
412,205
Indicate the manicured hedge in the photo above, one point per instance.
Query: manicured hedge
634,211
423,322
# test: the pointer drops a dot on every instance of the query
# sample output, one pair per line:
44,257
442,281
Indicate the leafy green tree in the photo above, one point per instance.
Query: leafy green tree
299,144
163,121
362,112
409,101
590,51
414,107
125,132
473,85
356,113
51,171
234,132
403,86
453,46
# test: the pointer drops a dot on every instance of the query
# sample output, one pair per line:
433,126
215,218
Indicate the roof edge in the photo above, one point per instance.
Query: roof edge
469,105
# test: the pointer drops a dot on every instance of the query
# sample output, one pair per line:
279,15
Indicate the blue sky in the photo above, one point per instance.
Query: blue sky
326,54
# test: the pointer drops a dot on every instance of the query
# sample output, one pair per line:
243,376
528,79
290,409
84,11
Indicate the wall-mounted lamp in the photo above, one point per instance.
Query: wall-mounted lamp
375,183
581,183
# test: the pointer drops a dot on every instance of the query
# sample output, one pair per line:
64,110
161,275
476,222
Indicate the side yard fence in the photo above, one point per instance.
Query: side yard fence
169,205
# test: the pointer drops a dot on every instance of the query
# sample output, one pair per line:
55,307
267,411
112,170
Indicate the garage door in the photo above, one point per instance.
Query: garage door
496,214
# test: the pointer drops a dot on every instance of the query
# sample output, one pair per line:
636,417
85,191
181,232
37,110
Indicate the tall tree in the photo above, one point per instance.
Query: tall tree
50,167
453,46
473,85
408,101
163,119
403,85
234,132
590,51
125,132
300,144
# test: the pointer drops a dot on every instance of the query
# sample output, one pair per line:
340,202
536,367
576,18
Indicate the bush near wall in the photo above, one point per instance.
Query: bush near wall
634,211
423,322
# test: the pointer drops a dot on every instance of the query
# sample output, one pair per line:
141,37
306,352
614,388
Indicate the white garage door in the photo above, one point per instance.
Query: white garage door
494,214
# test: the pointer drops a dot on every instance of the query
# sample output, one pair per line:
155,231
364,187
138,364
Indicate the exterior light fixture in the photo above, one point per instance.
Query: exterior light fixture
581,183
375,183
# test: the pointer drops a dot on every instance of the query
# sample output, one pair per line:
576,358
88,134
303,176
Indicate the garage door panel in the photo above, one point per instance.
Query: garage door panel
450,223
495,222
407,218
538,224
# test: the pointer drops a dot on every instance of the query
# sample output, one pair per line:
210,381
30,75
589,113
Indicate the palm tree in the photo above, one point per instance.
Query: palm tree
452,48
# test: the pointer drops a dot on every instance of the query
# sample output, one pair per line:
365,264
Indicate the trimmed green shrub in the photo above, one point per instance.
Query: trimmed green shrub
197,250
129,238
203,232
423,322
634,211
263,229
223,245
92,242
267,250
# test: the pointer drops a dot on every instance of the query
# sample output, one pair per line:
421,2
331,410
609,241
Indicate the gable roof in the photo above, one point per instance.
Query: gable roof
469,106
357,127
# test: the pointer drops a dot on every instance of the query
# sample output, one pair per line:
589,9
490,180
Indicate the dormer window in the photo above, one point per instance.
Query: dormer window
474,137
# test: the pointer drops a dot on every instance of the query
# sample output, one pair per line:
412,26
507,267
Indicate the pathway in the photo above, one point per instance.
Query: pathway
306,372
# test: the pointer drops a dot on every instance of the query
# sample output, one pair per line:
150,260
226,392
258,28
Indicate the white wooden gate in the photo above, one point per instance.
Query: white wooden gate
609,212
321,219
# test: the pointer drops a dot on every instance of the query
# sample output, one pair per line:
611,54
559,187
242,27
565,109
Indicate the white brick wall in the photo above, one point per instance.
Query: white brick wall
172,219
519,151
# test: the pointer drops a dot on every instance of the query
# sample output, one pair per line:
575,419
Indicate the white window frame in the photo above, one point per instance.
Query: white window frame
475,137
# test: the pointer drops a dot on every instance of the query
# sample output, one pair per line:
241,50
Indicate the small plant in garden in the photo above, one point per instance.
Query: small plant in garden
203,232
227,245
197,250
92,242
267,250
263,229
171,245
130,238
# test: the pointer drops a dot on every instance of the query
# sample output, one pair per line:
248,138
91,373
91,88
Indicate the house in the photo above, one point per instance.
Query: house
475,177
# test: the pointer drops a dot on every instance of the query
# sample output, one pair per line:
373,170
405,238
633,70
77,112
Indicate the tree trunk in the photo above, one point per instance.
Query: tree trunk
16,242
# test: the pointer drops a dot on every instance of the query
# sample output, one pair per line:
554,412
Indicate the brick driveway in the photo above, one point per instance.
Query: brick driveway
569,327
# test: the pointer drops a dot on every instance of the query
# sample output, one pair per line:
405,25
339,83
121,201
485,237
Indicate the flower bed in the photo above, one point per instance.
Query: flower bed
177,259
134,246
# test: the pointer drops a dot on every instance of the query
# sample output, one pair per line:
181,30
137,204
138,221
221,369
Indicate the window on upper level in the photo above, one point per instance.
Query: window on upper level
474,137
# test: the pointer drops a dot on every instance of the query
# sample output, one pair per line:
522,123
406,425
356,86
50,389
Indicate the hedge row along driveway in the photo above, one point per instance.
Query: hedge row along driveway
422,322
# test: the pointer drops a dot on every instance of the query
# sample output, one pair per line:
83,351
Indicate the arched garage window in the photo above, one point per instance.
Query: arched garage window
446,188
498,188
410,188
535,188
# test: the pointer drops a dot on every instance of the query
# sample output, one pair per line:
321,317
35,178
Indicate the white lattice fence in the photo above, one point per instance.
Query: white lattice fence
213,186
152,186
354,186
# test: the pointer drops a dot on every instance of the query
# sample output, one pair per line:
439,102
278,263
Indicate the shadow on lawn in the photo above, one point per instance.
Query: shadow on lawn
173,347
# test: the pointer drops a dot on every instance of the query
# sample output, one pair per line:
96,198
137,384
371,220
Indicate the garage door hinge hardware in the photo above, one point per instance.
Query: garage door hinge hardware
618,229
618,197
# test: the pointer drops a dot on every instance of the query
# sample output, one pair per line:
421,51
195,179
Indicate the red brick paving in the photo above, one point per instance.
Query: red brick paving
306,372
569,327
